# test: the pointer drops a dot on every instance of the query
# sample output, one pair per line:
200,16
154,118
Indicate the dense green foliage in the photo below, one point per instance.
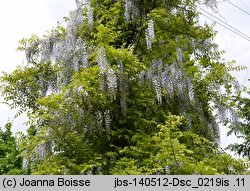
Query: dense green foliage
243,130
127,87
10,160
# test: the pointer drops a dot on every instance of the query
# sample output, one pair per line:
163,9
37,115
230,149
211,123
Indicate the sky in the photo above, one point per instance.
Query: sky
20,19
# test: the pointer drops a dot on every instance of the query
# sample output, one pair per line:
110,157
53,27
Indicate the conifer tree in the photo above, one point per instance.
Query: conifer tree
10,159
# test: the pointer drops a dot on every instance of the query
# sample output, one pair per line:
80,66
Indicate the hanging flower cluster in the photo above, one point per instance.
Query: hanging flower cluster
150,34
131,10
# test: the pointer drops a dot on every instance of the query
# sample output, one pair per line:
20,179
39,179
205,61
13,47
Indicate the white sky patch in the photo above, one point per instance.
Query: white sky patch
20,19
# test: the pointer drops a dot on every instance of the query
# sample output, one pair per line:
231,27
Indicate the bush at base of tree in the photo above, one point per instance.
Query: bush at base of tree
10,160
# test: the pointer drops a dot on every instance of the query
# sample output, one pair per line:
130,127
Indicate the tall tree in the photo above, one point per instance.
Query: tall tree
98,88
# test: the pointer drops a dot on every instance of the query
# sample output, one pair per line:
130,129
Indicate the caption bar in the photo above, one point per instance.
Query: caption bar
125,183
